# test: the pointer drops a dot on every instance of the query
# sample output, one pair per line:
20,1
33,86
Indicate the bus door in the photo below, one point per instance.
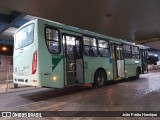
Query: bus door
144,61
73,59
118,61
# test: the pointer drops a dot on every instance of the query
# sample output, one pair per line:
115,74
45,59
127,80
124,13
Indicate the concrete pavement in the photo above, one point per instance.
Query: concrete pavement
130,95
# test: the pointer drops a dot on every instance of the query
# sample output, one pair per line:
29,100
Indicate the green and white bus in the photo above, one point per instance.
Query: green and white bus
51,54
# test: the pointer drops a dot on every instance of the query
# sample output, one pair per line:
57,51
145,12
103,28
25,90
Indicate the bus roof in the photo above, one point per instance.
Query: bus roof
82,31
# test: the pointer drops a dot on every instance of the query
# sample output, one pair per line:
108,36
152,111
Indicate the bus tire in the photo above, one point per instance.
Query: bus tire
100,78
137,73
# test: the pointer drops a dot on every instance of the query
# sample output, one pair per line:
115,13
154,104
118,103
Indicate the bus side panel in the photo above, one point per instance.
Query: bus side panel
108,66
55,78
52,74
130,68
136,63
91,64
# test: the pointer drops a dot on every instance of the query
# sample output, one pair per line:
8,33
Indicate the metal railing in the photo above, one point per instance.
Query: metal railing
153,67
6,72
6,78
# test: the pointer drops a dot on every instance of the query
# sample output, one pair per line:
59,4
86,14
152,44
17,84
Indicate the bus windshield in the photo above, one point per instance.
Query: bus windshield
24,36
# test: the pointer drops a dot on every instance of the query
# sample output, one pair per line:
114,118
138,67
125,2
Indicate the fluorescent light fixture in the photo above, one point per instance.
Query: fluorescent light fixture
10,31
30,17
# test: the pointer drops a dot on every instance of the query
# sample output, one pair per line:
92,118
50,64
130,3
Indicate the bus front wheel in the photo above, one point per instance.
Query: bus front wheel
100,78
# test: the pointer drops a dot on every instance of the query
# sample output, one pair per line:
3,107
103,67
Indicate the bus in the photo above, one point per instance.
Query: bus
51,54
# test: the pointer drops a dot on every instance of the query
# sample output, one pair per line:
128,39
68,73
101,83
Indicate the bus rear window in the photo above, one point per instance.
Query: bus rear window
24,36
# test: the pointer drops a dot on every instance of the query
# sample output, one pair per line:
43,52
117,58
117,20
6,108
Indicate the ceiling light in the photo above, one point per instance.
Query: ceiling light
4,48
108,14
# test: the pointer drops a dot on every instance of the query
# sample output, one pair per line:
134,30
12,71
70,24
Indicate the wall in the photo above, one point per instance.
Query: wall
6,60
6,67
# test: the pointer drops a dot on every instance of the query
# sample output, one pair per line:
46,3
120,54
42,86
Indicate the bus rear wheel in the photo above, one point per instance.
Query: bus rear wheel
137,73
100,78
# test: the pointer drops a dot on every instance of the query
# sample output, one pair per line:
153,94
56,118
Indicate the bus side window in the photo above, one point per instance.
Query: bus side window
52,40
91,52
78,49
127,51
135,52
119,52
86,50
90,46
103,48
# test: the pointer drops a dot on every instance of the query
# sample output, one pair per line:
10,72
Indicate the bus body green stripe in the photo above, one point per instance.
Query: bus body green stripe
55,60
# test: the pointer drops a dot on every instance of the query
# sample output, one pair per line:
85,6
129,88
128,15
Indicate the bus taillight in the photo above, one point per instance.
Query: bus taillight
34,63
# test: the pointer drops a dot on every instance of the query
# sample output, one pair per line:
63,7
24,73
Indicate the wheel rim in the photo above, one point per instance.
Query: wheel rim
100,80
